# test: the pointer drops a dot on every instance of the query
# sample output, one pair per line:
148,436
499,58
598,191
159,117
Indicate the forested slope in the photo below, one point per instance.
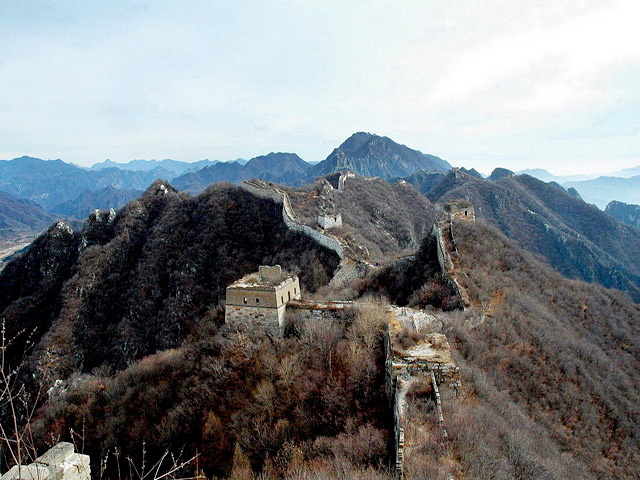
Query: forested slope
577,239
553,367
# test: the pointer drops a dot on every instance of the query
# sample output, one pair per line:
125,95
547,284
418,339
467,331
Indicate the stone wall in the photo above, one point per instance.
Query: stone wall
58,463
460,210
262,190
343,178
243,318
428,361
446,264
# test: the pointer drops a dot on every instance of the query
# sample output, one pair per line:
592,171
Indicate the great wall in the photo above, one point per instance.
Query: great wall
424,365
427,363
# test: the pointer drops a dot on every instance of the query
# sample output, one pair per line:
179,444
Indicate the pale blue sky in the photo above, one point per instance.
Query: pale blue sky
551,84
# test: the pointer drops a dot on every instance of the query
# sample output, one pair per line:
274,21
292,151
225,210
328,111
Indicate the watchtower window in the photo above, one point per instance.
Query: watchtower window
289,295
257,300
294,290
282,299
465,213
245,299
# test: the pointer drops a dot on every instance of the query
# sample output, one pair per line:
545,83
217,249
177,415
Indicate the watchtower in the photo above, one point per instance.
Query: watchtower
260,299
327,221
460,210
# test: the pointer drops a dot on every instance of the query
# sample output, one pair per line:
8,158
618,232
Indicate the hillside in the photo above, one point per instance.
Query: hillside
285,168
146,256
370,155
549,365
21,221
577,239
380,221
91,200
625,213
19,216
553,367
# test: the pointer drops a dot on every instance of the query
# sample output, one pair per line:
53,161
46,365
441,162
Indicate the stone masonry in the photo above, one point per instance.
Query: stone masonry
427,361
327,221
59,463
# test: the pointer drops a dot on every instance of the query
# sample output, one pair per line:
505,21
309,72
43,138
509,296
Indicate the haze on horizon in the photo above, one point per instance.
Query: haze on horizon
550,84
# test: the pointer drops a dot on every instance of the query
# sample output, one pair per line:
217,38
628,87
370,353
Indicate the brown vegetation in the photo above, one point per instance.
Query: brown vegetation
313,401
552,371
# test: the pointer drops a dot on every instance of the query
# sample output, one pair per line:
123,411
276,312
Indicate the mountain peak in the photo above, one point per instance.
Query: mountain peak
355,141
371,155
499,173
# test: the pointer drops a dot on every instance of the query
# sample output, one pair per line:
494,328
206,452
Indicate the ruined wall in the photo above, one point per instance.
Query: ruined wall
59,463
290,219
254,297
429,361
343,178
251,318
446,264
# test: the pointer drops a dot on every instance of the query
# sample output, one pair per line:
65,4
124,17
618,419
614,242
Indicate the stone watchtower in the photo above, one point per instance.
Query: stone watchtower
260,299
327,221
460,210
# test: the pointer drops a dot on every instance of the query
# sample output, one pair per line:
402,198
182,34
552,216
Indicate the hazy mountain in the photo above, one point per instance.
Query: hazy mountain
545,176
21,216
576,238
626,172
91,200
625,213
174,167
284,168
374,156
574,193
51,182
602,190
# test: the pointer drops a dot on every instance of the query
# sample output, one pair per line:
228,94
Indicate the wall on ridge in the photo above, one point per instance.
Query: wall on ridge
290,220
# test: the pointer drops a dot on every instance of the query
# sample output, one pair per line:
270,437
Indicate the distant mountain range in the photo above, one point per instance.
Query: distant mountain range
602,190
102,199
366,154
622,185
51,182
174,167
545,176
285,168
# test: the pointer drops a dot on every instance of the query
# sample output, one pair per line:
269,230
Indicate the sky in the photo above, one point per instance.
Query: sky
544,84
